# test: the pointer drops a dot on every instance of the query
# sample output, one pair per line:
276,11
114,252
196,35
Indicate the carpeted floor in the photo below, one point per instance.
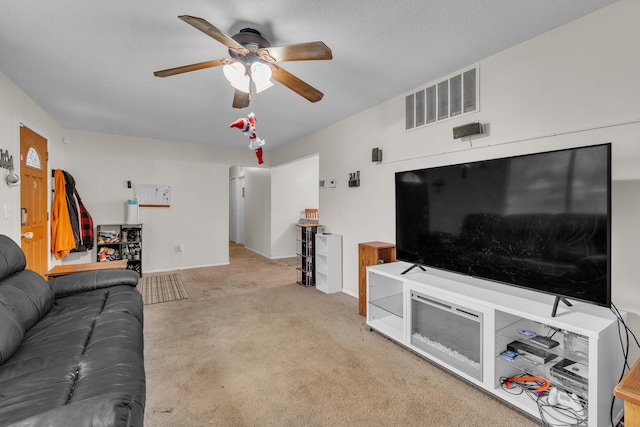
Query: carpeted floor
291,262
250,347
158,288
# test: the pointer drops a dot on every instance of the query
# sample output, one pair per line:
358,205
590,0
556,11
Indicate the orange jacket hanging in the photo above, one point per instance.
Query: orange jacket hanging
62,238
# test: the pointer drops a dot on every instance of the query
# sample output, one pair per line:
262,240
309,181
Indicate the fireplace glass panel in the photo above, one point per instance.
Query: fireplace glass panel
450,333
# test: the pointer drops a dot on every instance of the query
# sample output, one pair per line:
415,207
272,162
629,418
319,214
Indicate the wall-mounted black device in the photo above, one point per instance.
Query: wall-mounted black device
467,130
376,155
354,179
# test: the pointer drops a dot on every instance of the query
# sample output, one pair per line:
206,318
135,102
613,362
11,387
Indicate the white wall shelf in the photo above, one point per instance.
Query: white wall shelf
329,263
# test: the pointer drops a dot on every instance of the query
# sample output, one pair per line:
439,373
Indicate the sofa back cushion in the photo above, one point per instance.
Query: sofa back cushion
11,333
24,298
28,295
11,257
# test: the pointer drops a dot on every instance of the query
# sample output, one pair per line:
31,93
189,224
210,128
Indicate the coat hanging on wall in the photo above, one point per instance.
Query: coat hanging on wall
62,238
71,223
81,220
86,225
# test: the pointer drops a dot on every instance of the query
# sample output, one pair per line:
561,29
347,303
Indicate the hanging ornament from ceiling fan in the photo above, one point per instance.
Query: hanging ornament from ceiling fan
248,126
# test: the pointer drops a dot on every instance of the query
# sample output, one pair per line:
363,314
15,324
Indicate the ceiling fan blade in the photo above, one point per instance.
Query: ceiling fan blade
241,99
214,32
193,67
295,84
296,52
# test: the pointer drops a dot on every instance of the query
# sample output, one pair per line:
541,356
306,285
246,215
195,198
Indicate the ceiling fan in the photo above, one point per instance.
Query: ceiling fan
252,62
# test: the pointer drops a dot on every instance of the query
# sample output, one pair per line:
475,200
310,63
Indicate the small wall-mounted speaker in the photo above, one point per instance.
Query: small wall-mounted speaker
376,155
467,130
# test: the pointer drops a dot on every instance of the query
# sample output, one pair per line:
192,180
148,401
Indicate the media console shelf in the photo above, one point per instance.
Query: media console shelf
464,324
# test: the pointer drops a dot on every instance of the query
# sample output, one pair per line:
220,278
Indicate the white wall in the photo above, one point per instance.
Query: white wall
15,108
258,210
198,175
101,165
576,85
294,187
198,218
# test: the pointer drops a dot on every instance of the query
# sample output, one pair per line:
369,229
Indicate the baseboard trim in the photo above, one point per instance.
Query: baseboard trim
164,270
351,294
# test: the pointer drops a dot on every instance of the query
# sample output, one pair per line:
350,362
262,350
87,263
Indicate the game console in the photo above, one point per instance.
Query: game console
543,341
571,375
534,354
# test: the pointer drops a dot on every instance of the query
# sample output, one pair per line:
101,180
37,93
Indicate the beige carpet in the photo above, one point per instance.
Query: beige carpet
250,347
161,288
291,262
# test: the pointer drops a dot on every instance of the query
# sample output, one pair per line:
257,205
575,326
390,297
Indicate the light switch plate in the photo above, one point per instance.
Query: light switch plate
8,209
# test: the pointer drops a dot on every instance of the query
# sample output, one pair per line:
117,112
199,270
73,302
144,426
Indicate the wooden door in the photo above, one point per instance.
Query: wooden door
33,200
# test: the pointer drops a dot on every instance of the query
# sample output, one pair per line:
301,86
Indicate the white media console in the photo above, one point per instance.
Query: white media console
464,324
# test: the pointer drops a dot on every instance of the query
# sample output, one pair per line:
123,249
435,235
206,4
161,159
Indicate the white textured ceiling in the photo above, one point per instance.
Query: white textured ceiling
90,64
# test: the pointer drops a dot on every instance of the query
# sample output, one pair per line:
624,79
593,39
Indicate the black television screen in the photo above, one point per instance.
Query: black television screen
540,221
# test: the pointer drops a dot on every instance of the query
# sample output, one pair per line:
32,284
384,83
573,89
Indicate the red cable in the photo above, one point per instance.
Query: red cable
543,387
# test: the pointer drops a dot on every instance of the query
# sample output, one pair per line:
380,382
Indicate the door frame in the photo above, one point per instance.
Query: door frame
236,209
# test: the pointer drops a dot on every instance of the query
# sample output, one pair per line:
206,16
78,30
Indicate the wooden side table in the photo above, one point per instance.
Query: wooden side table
61,270
370,253
629,390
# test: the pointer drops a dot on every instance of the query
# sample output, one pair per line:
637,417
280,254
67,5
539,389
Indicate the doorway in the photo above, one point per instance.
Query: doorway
236,209
33,200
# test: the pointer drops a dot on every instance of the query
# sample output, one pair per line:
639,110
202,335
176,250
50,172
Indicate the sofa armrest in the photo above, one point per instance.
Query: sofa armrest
90,280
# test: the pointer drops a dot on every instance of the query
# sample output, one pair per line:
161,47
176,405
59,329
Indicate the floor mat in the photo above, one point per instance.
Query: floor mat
161,288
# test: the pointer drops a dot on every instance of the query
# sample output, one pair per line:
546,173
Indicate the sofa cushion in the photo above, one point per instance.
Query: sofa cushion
11,257
24,299
81,364
11,333
91,280
28,295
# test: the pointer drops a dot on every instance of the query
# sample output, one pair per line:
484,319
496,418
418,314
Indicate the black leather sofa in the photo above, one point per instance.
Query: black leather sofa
71,349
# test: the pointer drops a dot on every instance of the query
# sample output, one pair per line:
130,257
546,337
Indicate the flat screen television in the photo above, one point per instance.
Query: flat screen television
538,221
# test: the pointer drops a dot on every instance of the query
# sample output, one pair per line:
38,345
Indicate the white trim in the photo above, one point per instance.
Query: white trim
191,267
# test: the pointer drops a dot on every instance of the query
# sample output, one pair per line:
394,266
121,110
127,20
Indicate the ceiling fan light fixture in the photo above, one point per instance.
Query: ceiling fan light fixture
248,47
243,84
264,86
235,74
261,75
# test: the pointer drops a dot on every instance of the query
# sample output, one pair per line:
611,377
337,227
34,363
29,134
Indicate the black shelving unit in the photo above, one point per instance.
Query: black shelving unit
306,254
120,241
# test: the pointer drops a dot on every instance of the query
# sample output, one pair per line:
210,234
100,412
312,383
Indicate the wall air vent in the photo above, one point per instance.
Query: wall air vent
454,96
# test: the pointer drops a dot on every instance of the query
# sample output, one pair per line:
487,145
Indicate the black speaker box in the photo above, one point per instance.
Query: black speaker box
376,155
467,130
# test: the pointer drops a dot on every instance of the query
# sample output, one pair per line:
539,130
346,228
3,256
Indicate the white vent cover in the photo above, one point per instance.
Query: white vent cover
454,96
